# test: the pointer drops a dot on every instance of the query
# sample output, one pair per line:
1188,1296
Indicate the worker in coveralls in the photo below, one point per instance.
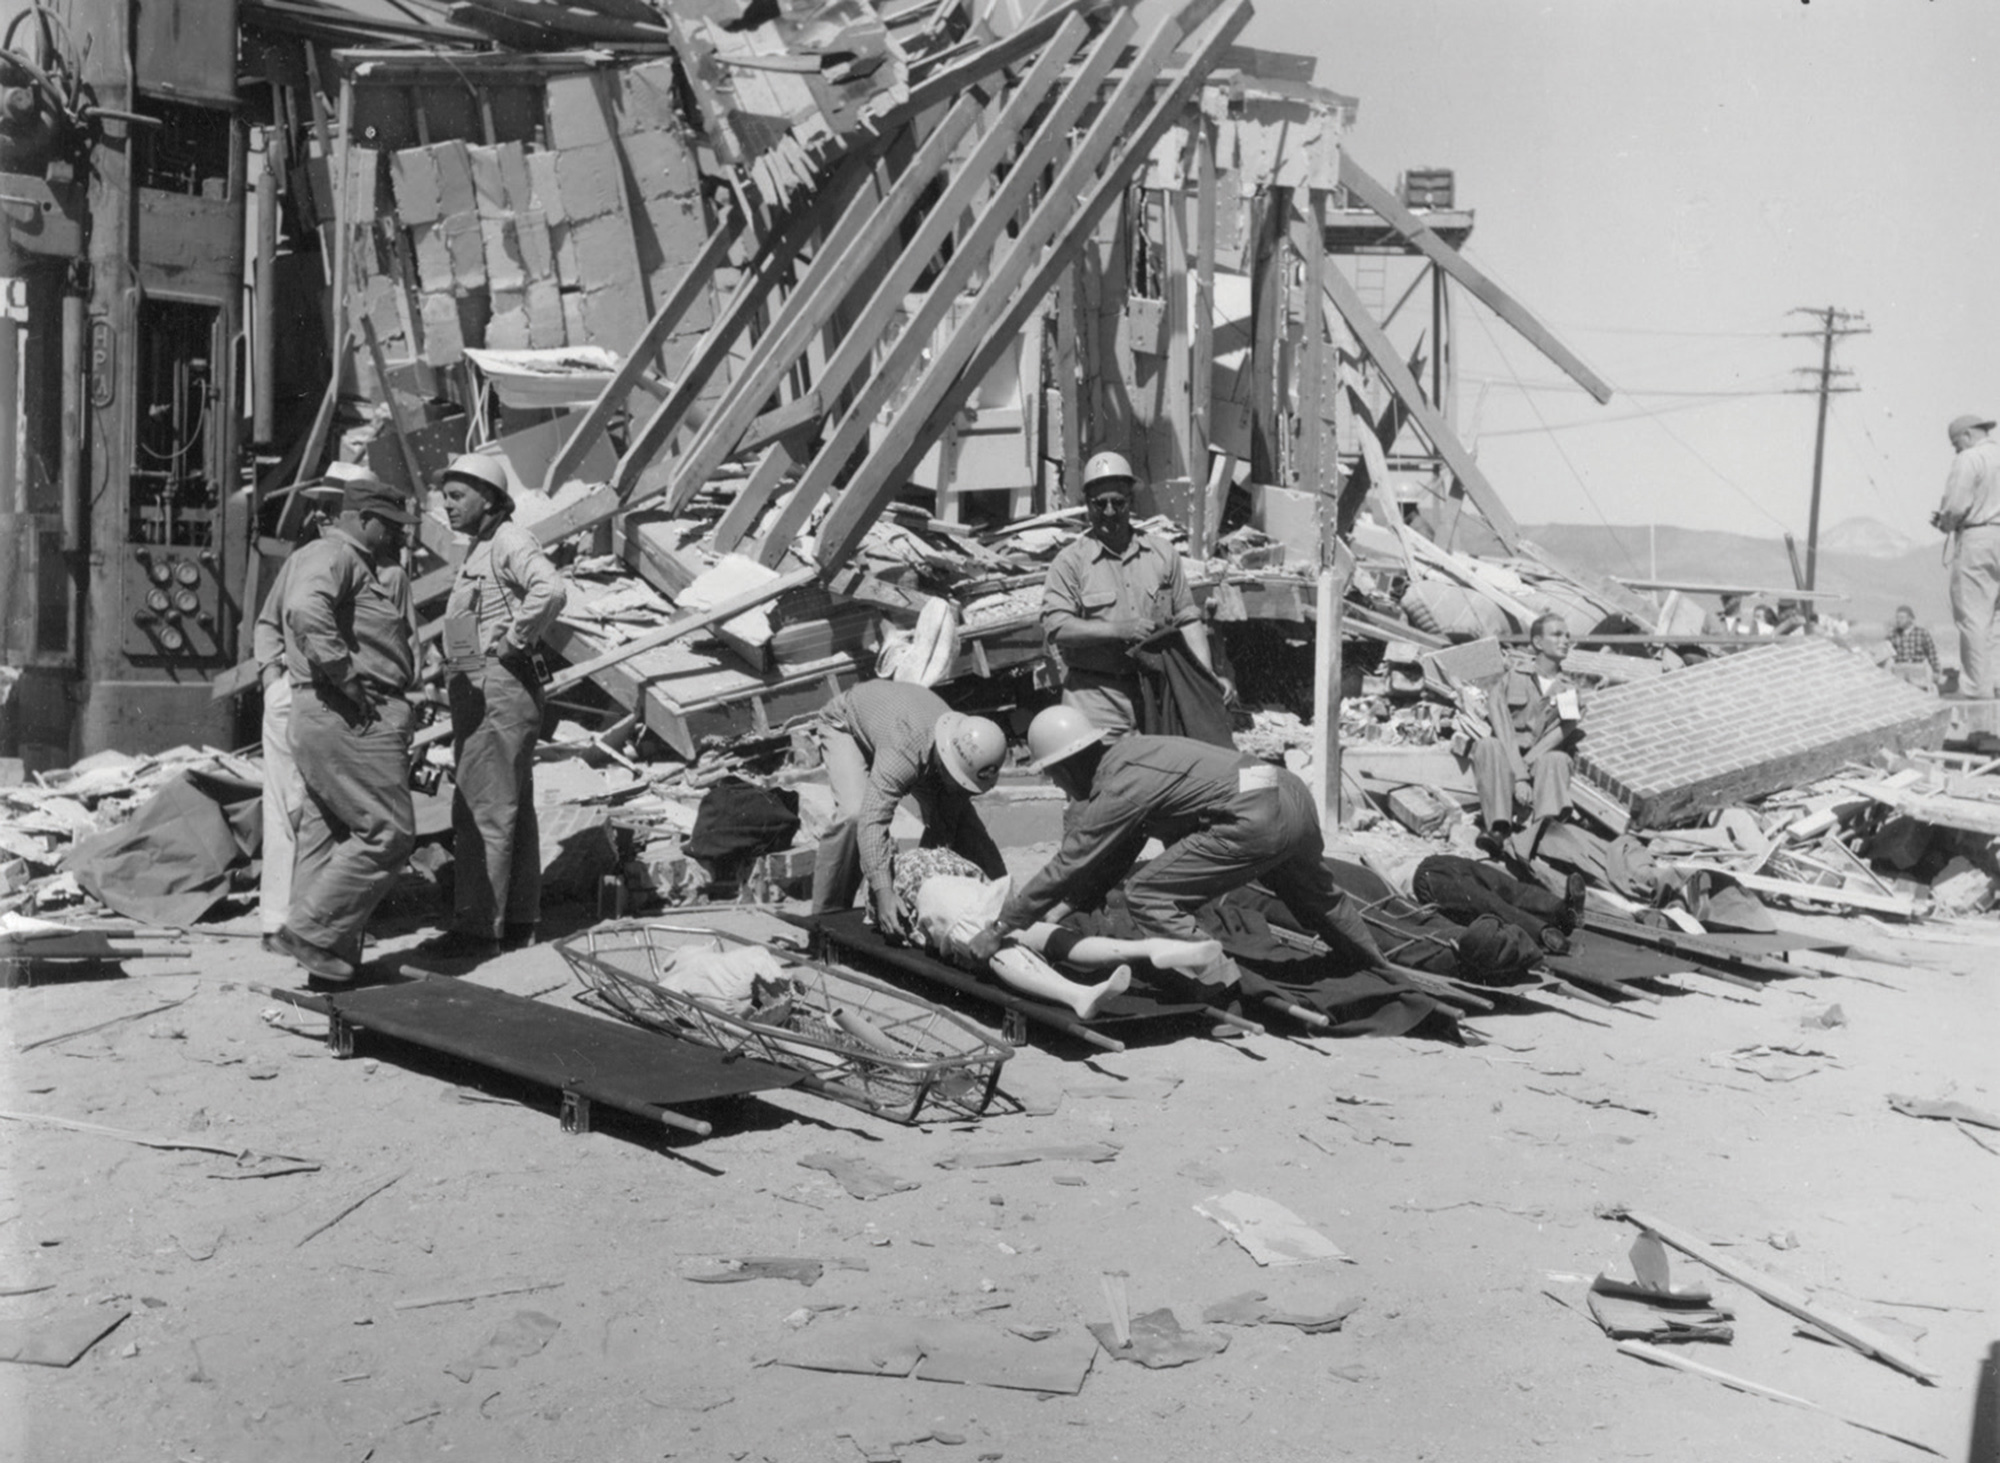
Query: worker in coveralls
1225,817
884,741
1109,592
505,594
284,793
350,654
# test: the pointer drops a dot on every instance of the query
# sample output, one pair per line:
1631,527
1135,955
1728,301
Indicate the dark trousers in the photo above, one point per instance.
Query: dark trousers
1270,833
496,845
357,826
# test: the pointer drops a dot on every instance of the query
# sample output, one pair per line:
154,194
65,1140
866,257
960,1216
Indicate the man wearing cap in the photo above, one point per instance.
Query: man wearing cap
1970,519
1225,817
350,654
1109,592
284,793
505,594
884,741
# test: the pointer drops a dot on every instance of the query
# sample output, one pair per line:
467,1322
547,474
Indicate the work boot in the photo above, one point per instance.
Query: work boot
517,937
320,962
1576,889
457,945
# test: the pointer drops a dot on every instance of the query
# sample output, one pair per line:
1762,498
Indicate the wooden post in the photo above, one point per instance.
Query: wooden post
1315,460
1336,569
1068,302
1174,372
1201,369
1267,292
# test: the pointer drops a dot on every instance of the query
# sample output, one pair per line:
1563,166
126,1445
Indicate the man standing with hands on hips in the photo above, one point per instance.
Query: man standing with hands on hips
350,654
506,593
1969,517
1109,592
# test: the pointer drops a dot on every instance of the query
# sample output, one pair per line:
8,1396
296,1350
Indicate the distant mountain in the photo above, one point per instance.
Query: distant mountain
1865,565
1869,538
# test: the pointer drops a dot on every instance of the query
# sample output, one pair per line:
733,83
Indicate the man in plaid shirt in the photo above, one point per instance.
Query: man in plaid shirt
1912,645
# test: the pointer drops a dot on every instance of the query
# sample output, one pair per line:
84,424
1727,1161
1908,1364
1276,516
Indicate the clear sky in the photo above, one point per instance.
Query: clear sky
1661,183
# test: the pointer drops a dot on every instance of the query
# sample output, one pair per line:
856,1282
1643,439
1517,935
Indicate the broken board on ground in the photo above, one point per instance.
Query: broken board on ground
586,1059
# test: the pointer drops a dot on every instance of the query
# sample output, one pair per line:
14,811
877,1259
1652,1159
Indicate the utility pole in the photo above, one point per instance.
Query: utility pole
1834,324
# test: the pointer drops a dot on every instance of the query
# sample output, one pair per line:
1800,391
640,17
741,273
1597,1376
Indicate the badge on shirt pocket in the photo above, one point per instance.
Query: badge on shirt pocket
462,650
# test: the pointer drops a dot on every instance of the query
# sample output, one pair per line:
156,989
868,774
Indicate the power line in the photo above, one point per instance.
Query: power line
1570,387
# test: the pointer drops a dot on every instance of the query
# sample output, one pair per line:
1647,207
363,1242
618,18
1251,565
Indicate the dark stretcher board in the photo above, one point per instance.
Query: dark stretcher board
584,1058
847,934
1357,1005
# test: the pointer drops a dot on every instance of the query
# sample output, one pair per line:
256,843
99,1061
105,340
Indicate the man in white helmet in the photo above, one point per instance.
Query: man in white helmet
1109,592
884,741
1225,817
505,594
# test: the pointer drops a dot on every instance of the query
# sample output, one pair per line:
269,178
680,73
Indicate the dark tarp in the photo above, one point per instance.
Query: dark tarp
169,863
1178,697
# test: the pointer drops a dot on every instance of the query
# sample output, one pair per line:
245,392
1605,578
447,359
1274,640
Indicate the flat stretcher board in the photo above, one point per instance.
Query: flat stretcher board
847,934
586,1059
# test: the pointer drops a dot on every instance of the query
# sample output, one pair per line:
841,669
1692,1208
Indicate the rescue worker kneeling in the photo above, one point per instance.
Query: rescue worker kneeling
1226,819
884,741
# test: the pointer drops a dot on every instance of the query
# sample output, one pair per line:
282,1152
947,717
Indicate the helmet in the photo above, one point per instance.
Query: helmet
971,749
1107,467
1058,732
483,470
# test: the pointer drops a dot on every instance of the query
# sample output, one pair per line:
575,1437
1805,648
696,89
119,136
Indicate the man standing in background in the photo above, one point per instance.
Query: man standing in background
1969,517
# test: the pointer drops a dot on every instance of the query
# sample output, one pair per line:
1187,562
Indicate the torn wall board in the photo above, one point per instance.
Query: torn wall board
1738,727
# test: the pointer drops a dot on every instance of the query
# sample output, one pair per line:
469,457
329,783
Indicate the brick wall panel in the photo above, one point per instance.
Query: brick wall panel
1673,747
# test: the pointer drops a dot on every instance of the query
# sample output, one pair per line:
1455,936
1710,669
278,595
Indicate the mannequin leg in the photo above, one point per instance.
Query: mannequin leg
1024,970
1094,950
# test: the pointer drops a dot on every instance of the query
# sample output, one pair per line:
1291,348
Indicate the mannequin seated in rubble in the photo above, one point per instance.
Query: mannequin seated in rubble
947,900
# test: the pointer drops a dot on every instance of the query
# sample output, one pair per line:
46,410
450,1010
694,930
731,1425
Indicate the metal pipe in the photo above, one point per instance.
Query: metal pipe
12,497
72,423
264,346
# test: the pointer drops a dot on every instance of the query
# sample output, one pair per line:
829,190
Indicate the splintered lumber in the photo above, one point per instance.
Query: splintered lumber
674,629
1022,276
1857,1334
611,400
1385,203
349,1208
862,335
970,252
1842,898
1375,341
1659,1357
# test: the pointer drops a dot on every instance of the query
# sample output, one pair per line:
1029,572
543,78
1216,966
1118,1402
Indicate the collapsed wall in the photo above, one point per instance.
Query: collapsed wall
1673,747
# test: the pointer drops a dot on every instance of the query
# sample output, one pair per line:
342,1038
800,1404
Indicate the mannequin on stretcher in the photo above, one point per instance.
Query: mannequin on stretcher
946,901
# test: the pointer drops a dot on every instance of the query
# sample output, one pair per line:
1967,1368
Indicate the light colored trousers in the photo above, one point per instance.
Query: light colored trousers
496,843
1975,592
284,801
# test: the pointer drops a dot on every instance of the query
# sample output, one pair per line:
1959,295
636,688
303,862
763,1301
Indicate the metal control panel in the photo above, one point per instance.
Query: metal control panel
173,590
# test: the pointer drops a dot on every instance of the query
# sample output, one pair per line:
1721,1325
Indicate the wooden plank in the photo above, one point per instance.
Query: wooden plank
970,253
852,243
1268,271
1070,209
1787,1297
1360,185
612,400
1445,441
634,478
1068,302
1336,570
865,332
1201,368
1315,458
1174,377
1841,898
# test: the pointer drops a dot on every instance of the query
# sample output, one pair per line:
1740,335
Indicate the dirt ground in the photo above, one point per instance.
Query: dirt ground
1465,1185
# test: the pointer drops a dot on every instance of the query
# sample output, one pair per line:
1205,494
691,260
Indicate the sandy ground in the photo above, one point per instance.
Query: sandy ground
1466,1192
